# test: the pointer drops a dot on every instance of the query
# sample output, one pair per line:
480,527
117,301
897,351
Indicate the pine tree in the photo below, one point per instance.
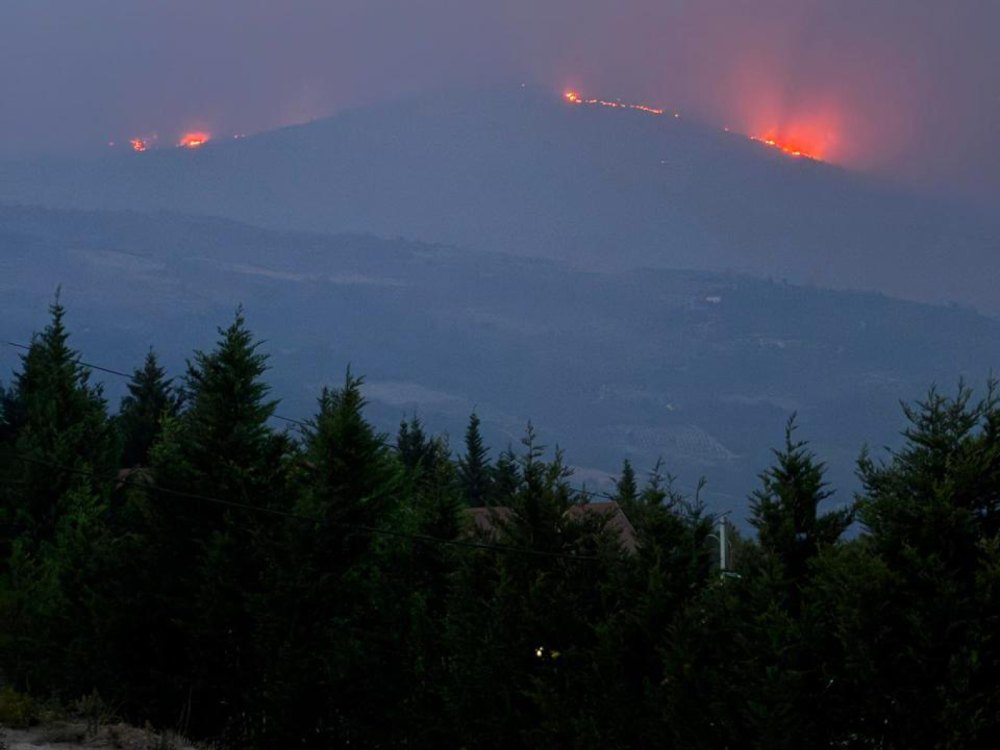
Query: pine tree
61,456
223,443
328,681
785,511
777,652
420,453
150,401
412,444
9,418
350,474
918,626
626,489
475,473
506,478
211,554
62,441
10,423
523,627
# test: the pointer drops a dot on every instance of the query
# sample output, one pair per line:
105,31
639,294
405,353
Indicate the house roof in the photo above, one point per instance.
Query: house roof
486,519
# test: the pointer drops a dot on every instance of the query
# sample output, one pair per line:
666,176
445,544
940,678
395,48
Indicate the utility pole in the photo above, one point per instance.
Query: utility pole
723,566
724,571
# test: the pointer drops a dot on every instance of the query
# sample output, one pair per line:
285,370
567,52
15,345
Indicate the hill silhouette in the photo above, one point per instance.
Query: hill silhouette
520,171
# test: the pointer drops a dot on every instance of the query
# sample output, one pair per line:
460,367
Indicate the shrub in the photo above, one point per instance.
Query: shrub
17,711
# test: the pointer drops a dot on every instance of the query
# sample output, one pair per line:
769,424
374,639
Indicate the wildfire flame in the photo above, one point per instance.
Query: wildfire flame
139,145
574,98
195,139
790,147
787,147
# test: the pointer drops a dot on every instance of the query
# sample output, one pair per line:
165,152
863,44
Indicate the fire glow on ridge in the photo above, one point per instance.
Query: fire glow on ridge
792,148
194,139
786,147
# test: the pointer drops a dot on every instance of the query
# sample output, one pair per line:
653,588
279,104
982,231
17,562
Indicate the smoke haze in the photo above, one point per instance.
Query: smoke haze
903,88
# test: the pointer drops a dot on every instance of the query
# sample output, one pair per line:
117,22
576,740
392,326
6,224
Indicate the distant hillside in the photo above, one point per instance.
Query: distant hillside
700,368
522,172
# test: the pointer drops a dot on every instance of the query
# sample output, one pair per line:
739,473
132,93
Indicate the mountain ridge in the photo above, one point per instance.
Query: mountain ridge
524,172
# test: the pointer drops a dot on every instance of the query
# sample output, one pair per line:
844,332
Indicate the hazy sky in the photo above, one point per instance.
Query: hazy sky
906,88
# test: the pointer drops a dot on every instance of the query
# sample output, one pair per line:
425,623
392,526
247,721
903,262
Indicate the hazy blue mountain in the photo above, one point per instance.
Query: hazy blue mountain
702,368
523,172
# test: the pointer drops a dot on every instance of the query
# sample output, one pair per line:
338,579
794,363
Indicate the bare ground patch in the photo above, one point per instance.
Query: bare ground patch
72,735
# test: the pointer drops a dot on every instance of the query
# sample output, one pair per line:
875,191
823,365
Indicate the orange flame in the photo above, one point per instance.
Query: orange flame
195,139
574,98
795,147
139,145
791,148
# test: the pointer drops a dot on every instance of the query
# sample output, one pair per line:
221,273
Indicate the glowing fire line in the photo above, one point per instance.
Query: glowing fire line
574,97
194,140
790,150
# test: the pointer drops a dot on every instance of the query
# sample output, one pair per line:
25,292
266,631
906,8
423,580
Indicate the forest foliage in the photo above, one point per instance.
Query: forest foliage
206,567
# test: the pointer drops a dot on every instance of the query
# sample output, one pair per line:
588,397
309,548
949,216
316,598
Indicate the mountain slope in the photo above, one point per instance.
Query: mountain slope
520,171
702,368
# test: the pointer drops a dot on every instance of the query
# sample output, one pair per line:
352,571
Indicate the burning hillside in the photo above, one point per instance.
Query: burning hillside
142,143
798,147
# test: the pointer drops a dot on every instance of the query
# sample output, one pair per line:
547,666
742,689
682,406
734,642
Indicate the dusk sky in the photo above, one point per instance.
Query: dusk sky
903,88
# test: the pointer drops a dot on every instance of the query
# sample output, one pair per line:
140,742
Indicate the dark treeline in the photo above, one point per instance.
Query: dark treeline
203,570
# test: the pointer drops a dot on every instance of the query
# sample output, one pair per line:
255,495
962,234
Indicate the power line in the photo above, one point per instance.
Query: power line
372,530
290,420
129,376
298,422
88,365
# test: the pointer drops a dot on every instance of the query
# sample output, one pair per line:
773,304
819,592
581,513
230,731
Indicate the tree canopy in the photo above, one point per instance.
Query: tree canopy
324,585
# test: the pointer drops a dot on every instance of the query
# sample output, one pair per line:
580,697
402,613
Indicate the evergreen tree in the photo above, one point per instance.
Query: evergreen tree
333,591
9,417
522,627
221,448
223,442
424,457
751,655
10,422
924,655
506,478
626,489
150,401
336,620
350,475
62,441
475,472
785,512
59,469
412,444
